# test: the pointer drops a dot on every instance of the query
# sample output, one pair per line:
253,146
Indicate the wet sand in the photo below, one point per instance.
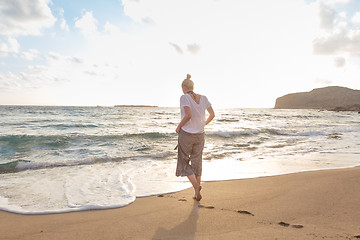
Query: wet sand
309,205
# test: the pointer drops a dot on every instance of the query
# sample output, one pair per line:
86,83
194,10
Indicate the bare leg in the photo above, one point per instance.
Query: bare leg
196,185
198,179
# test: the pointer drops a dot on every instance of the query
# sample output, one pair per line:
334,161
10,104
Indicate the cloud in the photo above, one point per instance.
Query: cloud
111,29
193,48
30,55
176,47
57,70
22,80
338,43
87,24
7,83
57,57
76,59
91,73
327,16
54,56
25,17
341,35
147,20
38,69
63,23
339,61
333,2
12,46
356,18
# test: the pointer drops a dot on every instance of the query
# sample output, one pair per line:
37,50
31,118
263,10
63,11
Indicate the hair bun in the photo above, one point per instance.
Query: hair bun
188,76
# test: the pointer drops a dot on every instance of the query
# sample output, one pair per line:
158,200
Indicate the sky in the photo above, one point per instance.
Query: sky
240,53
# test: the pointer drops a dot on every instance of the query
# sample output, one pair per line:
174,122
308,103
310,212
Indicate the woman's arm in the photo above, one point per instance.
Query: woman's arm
211,115
186,118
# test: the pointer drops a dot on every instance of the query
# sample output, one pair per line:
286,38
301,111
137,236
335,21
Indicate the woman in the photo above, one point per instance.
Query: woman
191,134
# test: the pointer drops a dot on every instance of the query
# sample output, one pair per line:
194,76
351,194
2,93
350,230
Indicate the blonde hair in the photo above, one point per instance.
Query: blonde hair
187,83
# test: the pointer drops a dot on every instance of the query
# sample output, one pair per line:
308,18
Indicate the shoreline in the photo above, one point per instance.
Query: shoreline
304,205
104,208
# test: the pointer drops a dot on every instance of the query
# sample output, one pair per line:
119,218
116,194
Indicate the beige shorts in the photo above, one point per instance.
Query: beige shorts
190,149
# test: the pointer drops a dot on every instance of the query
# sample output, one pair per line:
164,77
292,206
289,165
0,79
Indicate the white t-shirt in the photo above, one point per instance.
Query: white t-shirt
197,122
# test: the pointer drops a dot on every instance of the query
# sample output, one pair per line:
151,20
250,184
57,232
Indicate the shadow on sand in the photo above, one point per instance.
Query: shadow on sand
185,230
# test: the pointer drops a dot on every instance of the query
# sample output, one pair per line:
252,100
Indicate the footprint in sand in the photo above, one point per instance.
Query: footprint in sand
284,224
166,196
245,212
208,207
297,226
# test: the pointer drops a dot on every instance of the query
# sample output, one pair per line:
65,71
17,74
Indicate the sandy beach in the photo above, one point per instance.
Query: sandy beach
308,205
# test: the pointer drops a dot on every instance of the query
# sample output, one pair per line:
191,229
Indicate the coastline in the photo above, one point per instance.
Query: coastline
306,205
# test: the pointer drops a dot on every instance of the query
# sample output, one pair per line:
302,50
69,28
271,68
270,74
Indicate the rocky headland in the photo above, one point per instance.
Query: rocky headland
331,98
133,106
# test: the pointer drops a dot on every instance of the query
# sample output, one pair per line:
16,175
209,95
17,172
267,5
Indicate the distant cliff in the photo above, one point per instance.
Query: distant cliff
329,98
133,106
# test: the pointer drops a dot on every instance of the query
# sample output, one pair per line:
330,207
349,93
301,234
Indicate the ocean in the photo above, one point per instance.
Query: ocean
63,159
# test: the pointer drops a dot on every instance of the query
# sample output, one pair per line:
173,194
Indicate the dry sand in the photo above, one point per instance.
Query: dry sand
309,205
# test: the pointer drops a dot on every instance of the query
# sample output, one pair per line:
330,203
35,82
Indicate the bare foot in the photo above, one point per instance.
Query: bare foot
198,196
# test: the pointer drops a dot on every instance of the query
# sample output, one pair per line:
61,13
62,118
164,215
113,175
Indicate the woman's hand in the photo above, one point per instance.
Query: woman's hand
211,115
186,118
